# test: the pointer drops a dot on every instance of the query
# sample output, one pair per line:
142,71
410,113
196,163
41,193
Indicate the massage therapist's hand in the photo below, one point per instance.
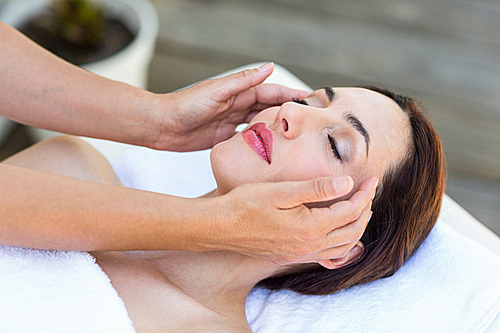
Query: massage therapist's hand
269,221
71,100
208,113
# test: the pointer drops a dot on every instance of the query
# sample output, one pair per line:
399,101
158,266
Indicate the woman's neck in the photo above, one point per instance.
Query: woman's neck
218,280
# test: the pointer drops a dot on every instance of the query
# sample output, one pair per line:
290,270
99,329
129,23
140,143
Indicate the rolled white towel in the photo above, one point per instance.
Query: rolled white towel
54,291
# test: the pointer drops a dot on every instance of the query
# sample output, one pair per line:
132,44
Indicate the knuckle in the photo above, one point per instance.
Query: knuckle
246,74
280,95
348,217
319,189
356,213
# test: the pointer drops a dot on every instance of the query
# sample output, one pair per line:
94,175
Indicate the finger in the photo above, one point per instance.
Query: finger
334,252
274,94
234,84
320,189
250,116
351,209
351,232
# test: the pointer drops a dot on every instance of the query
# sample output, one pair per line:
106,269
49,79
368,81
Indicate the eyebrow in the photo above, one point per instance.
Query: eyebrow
351,119
329,93
358,126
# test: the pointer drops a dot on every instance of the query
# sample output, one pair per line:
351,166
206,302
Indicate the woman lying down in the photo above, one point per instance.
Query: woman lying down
360,132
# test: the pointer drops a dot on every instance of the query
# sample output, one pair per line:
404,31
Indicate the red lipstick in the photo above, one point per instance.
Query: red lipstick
260,139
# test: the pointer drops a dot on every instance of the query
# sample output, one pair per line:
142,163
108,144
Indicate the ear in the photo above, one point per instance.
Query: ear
354,254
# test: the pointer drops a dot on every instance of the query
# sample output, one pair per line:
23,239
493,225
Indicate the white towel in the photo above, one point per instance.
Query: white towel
54,291
444,287
452,284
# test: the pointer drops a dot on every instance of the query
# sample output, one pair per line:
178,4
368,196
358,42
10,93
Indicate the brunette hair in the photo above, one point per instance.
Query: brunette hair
405,209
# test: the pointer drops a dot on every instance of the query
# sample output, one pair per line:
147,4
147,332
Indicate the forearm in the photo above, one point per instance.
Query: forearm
72,214
39,89
47,211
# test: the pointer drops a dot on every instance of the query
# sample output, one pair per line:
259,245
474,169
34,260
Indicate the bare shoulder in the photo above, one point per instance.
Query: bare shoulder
213,324
182,314
154,305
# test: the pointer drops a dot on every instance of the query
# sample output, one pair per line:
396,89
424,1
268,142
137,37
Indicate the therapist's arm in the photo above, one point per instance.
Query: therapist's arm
49,211
40,89
268,221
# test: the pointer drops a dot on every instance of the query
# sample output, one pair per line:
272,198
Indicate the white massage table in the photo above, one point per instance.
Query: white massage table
449,285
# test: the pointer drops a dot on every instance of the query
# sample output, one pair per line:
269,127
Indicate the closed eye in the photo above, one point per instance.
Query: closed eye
300,101
334,147
330,138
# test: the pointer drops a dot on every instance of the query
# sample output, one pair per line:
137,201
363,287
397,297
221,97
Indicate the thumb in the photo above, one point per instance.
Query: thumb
235,83
317,190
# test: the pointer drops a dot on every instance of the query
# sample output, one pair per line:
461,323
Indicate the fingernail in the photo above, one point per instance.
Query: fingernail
341,184
370,216
266,67
375,192
357,251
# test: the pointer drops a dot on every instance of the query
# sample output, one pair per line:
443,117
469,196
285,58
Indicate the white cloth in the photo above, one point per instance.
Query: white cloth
54,291
182,174
452,284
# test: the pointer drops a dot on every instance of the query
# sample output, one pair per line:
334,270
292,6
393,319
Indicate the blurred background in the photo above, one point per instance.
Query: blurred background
445,53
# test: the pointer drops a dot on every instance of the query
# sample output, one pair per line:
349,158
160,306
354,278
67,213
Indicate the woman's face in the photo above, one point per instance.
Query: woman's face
333,132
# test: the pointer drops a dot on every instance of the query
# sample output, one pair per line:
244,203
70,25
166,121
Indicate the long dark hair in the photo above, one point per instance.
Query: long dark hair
405,209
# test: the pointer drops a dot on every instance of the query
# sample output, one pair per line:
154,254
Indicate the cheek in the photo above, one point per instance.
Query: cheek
304,163
374,166
301,171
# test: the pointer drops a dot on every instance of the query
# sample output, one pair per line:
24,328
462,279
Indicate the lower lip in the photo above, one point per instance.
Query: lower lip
261,145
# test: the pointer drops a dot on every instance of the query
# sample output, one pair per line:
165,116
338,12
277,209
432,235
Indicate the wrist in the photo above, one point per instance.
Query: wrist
149,118
158,114
213,220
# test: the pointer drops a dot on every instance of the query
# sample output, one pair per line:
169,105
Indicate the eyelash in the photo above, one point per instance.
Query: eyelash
330,138
300,101
334,147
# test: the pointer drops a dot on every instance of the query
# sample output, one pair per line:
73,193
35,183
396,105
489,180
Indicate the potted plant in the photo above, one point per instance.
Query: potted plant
88,43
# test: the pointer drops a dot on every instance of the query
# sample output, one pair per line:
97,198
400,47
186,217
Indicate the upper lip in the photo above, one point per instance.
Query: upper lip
265,136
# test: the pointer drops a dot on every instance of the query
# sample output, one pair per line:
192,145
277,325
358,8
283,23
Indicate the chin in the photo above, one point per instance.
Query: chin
234,163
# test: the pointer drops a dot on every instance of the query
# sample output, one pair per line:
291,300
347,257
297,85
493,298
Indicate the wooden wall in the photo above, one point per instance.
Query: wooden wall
444,52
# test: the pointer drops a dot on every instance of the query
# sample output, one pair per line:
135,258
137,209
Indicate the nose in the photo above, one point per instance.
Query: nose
292,119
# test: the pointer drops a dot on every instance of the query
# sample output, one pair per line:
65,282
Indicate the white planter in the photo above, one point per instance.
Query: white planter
129,65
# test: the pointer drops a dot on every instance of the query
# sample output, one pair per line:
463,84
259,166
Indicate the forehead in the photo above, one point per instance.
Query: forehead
360,97
368,105
387,125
